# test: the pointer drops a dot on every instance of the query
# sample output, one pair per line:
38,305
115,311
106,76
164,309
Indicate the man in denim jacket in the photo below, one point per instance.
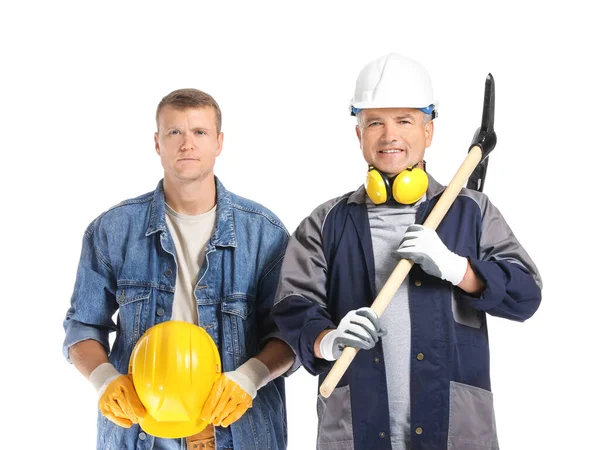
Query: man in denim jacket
193,251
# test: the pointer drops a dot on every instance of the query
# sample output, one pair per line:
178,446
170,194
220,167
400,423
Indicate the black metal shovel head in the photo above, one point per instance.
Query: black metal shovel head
489,103
485,136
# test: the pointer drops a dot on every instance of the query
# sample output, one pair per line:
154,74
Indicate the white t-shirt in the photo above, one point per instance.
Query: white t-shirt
190,235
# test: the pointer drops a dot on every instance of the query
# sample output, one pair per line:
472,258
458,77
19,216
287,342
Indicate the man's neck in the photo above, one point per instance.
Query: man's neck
191,197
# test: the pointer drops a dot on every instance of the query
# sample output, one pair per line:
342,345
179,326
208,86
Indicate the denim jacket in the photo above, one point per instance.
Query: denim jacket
128,264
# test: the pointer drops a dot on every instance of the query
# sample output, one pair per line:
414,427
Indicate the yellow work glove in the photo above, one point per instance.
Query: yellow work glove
232,393
118,400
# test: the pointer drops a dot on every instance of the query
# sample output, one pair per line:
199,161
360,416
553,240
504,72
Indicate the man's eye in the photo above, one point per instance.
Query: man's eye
373,124
173,132
200,132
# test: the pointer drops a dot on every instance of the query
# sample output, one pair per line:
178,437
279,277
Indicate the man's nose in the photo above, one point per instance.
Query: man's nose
188,142
390,134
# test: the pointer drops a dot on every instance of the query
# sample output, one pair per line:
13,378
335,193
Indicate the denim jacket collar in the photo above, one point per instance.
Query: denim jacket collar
224,234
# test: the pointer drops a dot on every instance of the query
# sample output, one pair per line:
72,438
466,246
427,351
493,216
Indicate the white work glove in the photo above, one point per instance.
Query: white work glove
359,328
250,376
233,392
423,246
102,376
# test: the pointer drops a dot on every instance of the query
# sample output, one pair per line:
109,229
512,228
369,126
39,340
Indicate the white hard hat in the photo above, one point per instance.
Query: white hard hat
393,81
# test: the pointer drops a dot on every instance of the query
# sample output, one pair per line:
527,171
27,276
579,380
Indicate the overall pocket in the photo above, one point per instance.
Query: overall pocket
463,313
335,420
471,423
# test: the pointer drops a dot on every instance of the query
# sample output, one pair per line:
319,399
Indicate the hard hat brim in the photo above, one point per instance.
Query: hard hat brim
171,430
376,105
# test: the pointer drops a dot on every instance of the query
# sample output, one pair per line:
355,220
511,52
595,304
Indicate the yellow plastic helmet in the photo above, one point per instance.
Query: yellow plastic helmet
174,366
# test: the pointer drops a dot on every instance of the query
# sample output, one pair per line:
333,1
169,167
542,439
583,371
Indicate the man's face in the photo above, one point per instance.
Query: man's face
187,143
393,139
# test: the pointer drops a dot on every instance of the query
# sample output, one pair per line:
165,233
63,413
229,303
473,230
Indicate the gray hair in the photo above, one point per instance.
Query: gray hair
426,118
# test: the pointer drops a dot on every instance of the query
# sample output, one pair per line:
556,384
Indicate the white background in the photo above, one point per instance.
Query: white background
80,84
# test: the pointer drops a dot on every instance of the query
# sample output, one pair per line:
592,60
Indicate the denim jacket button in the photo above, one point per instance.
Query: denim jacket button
142,436
168,272
160,312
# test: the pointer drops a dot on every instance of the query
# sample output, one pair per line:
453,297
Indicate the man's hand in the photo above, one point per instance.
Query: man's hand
119,402
359,328
423,246
232,393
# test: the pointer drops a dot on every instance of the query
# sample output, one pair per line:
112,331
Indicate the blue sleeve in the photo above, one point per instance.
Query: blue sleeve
93,302
513,285
300,322
510,290
266,325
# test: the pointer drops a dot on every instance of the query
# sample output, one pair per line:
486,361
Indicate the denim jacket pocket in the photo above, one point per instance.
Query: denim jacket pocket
238,330
471,422
133,310
110,435
113,437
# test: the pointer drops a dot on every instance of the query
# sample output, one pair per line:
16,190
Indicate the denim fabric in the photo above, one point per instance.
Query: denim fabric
128,265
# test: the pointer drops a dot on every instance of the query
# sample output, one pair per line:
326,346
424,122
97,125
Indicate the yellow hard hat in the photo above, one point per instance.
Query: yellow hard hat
174,366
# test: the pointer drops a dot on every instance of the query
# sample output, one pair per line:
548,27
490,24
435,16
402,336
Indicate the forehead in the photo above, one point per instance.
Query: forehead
390,112
171,115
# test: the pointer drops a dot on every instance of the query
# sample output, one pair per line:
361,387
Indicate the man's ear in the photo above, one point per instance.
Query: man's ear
428,133
358,135
220,143
156,146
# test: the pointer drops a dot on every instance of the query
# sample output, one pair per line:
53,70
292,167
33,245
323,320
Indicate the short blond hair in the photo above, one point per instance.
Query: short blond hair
190,98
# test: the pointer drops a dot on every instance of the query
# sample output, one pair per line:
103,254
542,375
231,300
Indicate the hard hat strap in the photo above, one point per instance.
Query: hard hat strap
430,110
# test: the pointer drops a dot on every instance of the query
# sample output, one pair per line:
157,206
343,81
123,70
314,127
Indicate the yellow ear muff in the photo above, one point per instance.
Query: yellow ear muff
409,186
376,186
